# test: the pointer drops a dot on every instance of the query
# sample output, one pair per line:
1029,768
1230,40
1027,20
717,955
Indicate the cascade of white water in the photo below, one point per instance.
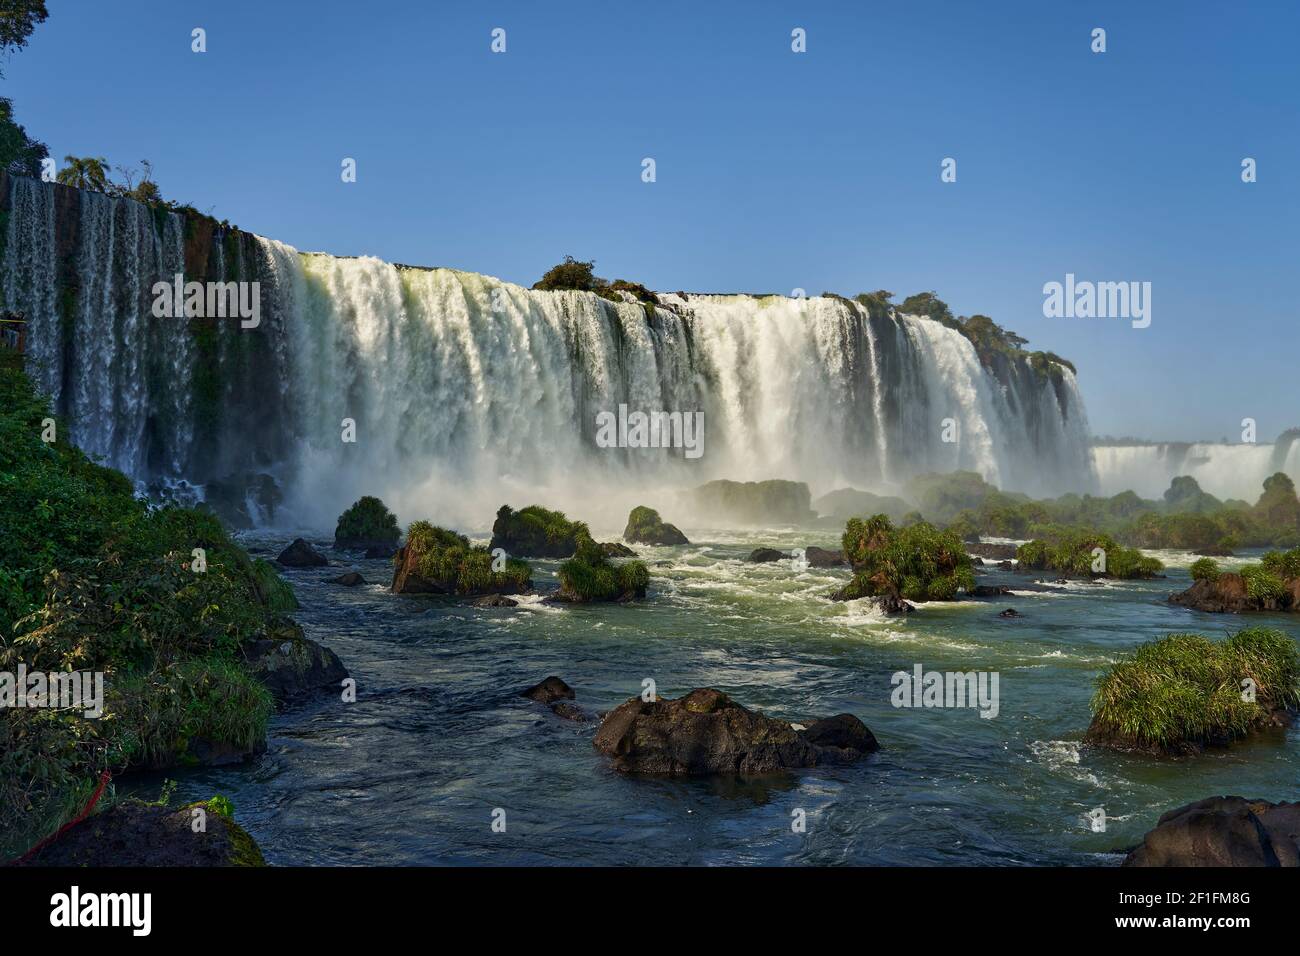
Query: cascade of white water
463,391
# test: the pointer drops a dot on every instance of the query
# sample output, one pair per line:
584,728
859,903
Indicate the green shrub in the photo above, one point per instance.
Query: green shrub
918,562
448,560
1205,569
367,522
590,576
1262,584
1073,552
535,531
1185,690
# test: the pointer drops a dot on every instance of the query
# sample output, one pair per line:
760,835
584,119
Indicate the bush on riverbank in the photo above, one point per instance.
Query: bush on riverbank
91,579
918,562
1184,692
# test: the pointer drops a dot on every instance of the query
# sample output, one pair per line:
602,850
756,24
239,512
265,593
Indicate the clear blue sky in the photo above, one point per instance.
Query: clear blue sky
776,170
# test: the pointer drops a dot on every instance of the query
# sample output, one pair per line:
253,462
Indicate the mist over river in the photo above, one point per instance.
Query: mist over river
438,737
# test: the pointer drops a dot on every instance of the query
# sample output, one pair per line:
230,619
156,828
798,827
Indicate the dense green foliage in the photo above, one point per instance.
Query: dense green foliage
448,560
1185,689
368,521
1205,569
590,576
1185,518
1070,551
92,579
645,526
918,562
580,275
535,531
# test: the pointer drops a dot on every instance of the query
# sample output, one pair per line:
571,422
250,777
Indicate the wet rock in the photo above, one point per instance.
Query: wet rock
549,691
292,667
705,732
1223,831
614,549
1227,594
570,711
765,555
822,558
893,604
134,833
644,526
381,552
988,549
349,580
301,555
1010,612
494,600
989,590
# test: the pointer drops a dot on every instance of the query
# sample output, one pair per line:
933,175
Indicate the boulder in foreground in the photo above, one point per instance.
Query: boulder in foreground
706,732
145,834
1223,831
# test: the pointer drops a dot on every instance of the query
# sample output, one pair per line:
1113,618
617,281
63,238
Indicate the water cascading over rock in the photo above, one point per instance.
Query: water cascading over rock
467,391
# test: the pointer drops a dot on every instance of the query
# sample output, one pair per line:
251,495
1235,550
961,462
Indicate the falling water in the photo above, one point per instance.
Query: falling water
467,391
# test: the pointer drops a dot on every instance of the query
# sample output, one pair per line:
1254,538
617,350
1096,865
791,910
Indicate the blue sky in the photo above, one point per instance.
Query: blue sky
775,170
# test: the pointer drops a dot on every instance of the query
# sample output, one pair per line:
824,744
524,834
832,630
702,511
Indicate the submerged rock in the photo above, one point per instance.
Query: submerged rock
765,555
549,690
133,833
349,580
614,549
989,590
1223,831
301,555
893,604
705,732
494,600
1010,612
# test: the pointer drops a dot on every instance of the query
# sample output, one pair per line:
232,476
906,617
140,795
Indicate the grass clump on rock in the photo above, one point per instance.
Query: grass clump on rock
918,562
536,532
590,576
1184,692
367,524
436,560
1074,552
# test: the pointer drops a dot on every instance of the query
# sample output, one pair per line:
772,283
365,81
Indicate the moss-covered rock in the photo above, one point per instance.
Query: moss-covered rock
536,532
644,526
438,561
366,524
1184,692
1086,553
916,563
590,576
755,502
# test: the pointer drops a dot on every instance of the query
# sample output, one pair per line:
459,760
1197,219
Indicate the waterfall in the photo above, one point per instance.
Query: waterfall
465,391
1224,470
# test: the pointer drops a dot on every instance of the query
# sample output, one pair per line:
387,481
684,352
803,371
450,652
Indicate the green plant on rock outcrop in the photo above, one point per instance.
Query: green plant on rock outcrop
590,576
1205,569
918,562
450,561
1185,690
367,521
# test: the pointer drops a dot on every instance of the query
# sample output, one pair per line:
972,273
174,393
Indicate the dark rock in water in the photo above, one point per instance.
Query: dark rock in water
842,737
1010,612
1223,831
764,555
292,667
893,604
1227,594
381,552
977,562
549,691
706,732
494,600
570,711
203,752
133,833
644,526
1007,565
535,532
822,558
998,552
301,555
614,549
349,580
989,590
